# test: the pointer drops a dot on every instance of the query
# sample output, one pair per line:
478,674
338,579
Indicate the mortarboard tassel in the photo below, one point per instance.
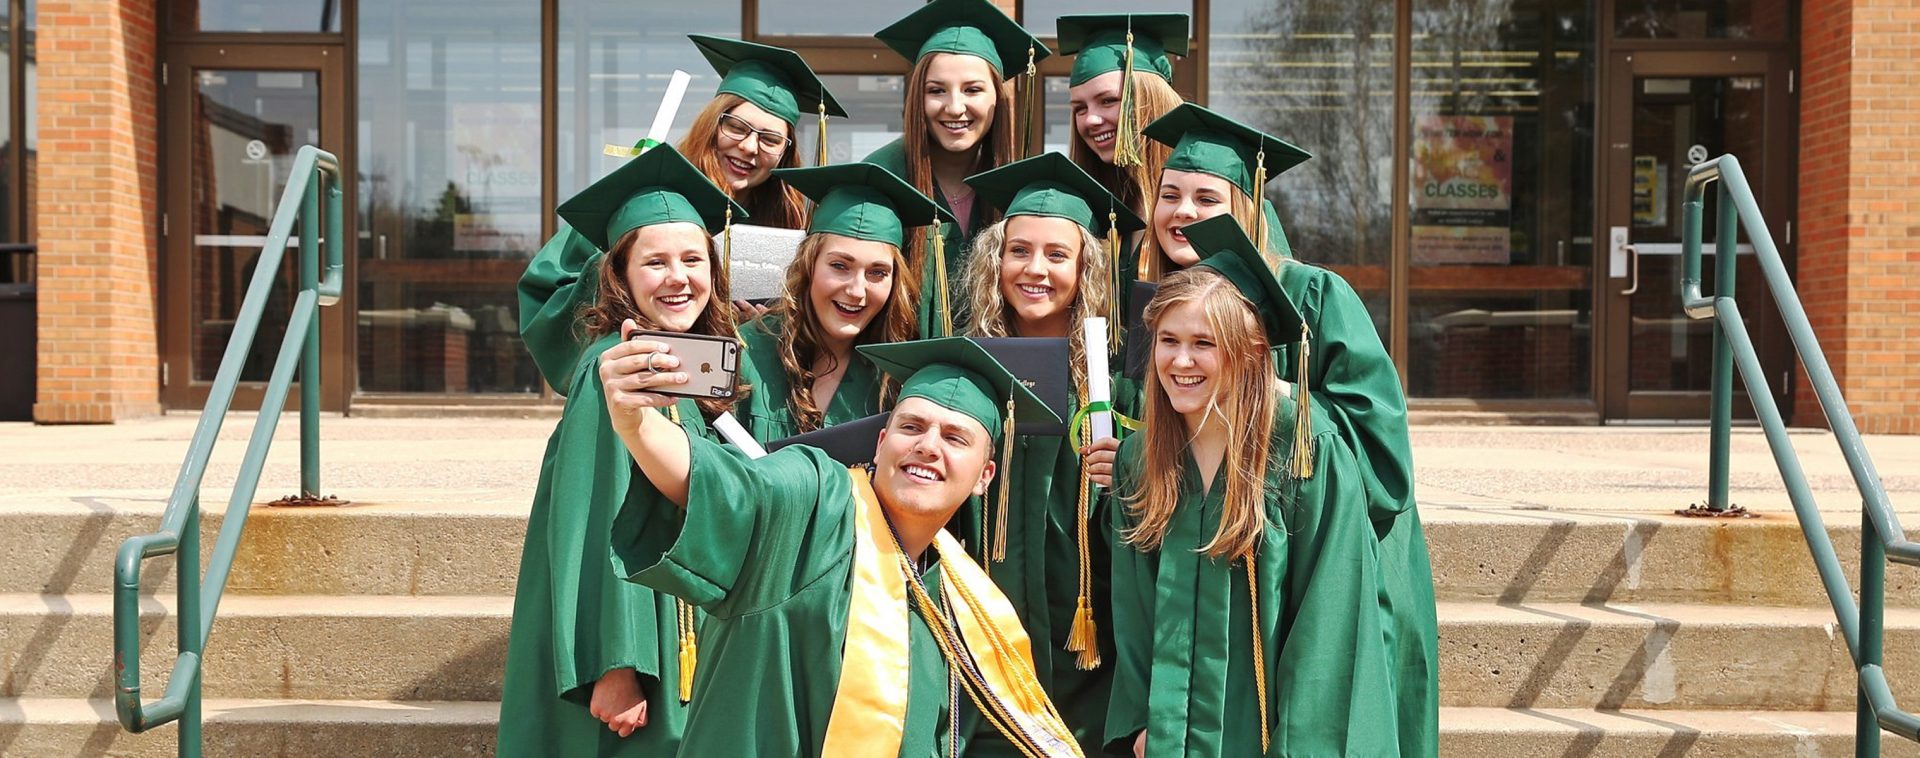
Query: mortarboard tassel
1006,485
1259,191
1083,637
939,253
1126,146
821,160
1030,108
689,649
1114,295
726,242
1300,465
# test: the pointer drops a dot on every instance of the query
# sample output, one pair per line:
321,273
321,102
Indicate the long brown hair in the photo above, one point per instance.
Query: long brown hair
1153,97
1241,205
992,317
1244,402
769,203
614,303
801,340
996,149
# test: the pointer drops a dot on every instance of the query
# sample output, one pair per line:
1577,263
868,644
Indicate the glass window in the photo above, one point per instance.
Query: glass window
9,193
614,67
859,18
1501,198
1040,14
449,192
259,15
1319,76
873,104
1701,19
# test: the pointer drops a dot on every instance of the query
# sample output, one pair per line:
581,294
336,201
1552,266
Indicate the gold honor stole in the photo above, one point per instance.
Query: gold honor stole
870,704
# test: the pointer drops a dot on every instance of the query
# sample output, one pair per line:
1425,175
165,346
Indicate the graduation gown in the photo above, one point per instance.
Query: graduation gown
1041,577
1354,385
765,546
956,243
767,412
1184,664
573,619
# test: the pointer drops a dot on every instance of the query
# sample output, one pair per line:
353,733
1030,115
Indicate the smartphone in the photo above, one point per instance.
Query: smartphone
711,363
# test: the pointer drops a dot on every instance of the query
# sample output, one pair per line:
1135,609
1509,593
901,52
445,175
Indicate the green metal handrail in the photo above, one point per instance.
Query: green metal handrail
315,176
1881,537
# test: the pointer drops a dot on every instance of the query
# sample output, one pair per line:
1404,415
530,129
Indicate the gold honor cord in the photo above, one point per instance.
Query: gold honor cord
1259,652
1083,637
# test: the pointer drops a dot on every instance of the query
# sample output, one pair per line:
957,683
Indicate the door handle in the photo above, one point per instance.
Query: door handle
1633,266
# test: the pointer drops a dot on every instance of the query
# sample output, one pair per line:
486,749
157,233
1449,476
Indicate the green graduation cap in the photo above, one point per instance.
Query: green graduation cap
966,27
862,201
1099,43
658,187
776,79
1050,185
1207,142
958,374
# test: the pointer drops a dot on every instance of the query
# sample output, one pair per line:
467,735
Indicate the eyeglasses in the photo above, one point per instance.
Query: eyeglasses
737,129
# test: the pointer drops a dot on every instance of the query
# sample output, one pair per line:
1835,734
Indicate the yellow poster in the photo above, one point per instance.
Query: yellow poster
1463,189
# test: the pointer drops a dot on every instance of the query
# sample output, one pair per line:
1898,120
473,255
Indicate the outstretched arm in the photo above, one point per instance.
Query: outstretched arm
628,374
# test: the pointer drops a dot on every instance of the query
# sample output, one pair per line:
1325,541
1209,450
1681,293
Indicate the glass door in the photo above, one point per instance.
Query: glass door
236,115
1668,112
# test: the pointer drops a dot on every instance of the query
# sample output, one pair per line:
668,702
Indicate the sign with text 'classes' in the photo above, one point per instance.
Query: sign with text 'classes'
1462,189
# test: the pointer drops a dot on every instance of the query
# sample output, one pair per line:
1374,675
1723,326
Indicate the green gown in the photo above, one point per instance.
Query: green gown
765,546
573,619
957,242
560,282
1354,386
1041,577
767,413
1184,664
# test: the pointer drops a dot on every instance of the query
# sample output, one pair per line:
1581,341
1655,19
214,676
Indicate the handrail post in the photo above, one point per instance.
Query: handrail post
310,255
189,625
1873,570
1726,261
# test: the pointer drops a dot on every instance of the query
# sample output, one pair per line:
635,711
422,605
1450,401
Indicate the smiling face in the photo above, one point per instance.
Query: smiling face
1184,198
745,158
1188,360
1096,112
850,283
669,271
1040,273
958,98
929,460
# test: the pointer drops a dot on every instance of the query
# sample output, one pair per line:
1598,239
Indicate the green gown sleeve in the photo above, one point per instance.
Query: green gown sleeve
560,281
1276,234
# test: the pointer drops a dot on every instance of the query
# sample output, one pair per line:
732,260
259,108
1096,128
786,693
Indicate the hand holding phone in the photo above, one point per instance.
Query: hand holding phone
711,364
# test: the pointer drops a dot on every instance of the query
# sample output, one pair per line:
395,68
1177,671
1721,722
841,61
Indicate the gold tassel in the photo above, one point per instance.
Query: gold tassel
1126,146
940,275
1006,486
1083,637
822,159
1301,464
689,649
1030,106
1115,321
1259,653
726,242
1259,209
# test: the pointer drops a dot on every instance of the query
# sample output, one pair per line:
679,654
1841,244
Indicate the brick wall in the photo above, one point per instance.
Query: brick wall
98,223
1859,230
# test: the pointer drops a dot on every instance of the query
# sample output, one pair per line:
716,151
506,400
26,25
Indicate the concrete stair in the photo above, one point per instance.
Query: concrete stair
380,628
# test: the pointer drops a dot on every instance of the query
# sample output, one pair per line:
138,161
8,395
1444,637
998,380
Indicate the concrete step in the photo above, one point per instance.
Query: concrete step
343,647
361,728
467,542
264,728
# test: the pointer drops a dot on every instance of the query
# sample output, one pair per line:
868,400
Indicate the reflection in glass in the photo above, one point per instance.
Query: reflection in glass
1701,19
247,125
873,102
8,263
449,187
1501,200
1319,74
1041,14
614,67
857,18
257,15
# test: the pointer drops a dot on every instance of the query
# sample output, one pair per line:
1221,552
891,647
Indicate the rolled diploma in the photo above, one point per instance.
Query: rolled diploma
669,105
1099,382
736,435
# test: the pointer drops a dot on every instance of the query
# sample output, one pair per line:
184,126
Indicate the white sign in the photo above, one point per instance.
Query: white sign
1697,155
256,150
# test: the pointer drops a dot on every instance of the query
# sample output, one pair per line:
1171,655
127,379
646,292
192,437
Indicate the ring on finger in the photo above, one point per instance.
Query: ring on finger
650,366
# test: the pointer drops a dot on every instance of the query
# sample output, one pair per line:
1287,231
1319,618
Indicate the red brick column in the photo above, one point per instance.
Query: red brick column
98,220
1859,230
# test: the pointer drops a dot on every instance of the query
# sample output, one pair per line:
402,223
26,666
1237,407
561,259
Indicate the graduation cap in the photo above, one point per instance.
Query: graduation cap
1124,42
658,187
1226,250
980,29
1209,143
851,443
958,374
1050,185
775,79
863,201
1044,365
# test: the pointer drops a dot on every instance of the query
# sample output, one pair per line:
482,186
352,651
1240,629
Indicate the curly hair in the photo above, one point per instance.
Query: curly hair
992,317
802,340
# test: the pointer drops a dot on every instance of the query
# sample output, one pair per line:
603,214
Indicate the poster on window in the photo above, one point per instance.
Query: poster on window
1462,189
494,187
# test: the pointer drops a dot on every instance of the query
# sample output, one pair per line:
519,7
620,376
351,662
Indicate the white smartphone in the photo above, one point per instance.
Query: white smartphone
711,363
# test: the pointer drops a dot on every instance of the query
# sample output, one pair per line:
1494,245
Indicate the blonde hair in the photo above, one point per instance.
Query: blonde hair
769,203
800,343
1245,404
996,149
614,303
1153,97
1155,263
992,317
